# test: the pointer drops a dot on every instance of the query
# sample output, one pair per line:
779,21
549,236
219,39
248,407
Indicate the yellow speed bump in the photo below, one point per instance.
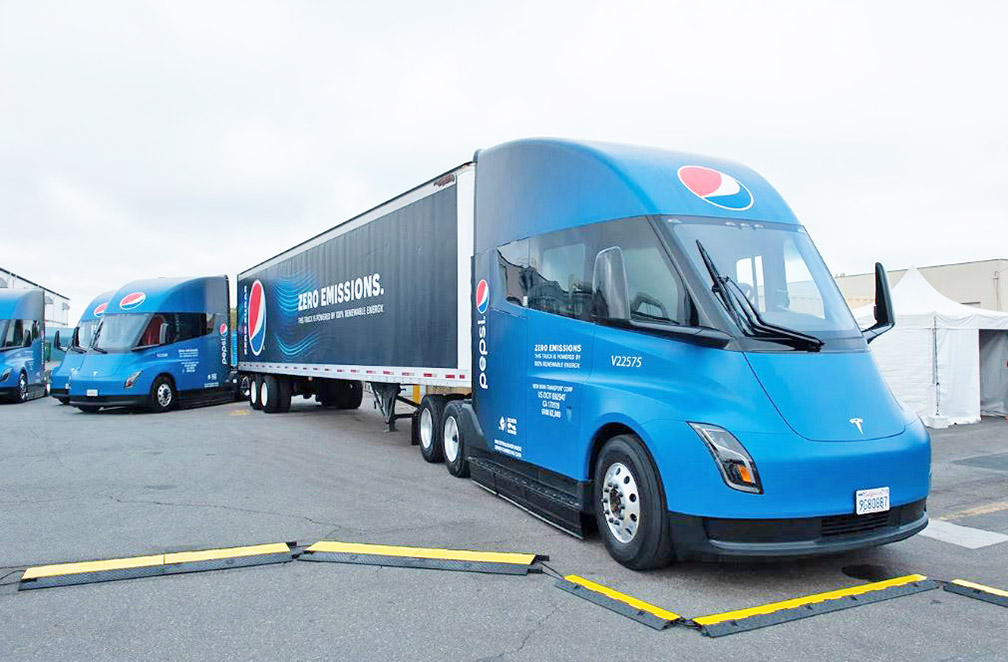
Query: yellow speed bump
621,603
510,563
990,594
741,620
85,572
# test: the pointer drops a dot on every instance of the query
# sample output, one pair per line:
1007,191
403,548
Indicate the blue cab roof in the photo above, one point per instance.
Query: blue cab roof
22,304
91,313
529,187
170,295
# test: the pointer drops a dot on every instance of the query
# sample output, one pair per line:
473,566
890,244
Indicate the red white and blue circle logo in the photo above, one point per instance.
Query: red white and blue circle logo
716,187
482,296
223,328
100,309
256,318
132,300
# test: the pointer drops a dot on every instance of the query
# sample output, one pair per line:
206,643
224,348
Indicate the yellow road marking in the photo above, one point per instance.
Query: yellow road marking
40,571
808,599
981,587
240,412
421,552
622,597
226,553
979,510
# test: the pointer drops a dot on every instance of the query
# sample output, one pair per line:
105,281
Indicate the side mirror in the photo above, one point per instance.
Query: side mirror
610,298
885,319
56,341
163,334
27,340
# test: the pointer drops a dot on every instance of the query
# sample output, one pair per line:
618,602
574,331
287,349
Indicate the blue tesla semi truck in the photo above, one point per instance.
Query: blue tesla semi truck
22,335
76,346
643,341
161,343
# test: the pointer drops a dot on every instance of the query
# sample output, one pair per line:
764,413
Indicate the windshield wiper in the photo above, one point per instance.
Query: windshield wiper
739,306
99,349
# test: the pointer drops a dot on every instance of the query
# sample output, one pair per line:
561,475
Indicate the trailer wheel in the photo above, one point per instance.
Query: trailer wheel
255,382
453,443
283,394
630,506
162,395
430,426
269,391
351,395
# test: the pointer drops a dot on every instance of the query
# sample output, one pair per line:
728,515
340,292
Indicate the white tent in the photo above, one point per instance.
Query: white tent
932,358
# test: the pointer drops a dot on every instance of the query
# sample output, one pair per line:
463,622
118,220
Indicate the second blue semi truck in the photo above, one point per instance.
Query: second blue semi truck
76,346
161,343
638,340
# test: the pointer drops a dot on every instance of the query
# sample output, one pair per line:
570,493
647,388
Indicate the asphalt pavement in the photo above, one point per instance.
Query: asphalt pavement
76,487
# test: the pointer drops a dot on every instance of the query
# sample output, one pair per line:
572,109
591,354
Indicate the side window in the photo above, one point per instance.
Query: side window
189,326
656,292
513,259
560,272
36,330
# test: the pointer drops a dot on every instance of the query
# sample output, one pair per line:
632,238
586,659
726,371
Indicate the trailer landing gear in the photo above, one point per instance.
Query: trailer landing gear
386,396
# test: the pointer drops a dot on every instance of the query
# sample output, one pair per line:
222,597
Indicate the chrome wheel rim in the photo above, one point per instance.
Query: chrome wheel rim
253,392
23,387
621,502
164,395
246,390
264,394
426,428
451,439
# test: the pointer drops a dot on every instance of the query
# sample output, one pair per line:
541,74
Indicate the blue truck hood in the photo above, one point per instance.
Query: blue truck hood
97,365
831,396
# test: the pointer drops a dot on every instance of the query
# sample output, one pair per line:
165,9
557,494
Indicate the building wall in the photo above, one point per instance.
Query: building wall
983,284
57,306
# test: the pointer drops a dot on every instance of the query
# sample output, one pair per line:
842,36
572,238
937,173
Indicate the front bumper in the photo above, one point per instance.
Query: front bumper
109,401
720,538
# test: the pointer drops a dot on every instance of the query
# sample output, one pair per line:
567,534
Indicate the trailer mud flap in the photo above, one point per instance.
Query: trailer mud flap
504,563
742,620
86,572
621,603
978,591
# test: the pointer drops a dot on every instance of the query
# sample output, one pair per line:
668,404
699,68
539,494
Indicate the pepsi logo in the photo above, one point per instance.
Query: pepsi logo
132,300
256,318
482,296
223,328
716,187
100,309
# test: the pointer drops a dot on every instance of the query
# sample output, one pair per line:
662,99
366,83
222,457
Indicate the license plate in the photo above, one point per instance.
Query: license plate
93,393
875,500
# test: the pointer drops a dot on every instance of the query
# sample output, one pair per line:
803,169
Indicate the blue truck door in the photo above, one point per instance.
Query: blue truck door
559,349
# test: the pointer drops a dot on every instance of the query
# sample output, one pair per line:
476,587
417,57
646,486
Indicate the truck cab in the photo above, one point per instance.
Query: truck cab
659,350
22,336
160,343
75,346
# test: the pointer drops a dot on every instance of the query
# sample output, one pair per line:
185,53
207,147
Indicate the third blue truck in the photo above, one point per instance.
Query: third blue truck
642,341
76,346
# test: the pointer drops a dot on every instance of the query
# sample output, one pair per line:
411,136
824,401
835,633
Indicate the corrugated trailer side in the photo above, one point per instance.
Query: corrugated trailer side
382,297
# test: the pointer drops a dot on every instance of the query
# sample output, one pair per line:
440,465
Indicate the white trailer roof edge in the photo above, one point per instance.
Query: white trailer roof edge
403,199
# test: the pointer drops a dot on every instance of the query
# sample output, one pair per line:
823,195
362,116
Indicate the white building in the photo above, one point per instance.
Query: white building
981,284
57,306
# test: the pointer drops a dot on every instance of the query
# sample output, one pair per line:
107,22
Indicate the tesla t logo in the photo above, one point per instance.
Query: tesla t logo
857,422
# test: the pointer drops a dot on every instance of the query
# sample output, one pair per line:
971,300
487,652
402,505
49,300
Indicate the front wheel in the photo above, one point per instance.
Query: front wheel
22,392
630,506
162,395
453,441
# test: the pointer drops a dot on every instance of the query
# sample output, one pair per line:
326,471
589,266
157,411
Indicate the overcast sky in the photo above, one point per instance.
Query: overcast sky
143,139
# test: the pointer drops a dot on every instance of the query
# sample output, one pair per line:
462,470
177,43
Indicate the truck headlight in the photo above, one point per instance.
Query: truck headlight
732,459
132,379
6,374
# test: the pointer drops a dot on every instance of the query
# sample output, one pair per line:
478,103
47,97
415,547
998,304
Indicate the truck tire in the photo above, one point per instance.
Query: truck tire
351,395
630,505
22,392
430,426
269,394
453,443
255,382
285,386
244,390
162,395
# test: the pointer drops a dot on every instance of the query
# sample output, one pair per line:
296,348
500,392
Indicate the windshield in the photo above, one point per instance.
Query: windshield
119,333
776,267
85,334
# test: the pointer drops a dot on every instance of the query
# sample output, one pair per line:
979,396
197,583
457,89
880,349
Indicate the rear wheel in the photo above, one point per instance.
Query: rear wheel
255,396
244,388
268,394
453,442
162,394
630,505
283,395
430,424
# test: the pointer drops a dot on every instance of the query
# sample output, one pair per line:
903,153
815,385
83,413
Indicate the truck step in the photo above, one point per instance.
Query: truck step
553,507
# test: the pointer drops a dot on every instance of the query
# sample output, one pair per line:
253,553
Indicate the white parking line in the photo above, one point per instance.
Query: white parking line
963,536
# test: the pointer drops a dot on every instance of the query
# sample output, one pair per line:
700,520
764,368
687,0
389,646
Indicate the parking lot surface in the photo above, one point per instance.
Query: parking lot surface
76,487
